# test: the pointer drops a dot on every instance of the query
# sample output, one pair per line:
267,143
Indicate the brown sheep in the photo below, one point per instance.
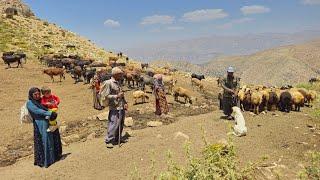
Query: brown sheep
186,94
54,72
311,96
256,100
241,97
198,83
140,94
169,82
297,99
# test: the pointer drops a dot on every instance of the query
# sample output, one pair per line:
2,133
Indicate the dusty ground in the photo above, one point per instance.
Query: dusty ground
76,106
284,139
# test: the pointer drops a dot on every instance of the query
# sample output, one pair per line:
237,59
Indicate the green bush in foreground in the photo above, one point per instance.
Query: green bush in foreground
312,171
217,161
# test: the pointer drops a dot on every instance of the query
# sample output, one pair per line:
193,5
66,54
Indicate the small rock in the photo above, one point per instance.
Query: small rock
252,114
3,149
263,112
180,135
72,138
92,118
84,124
103,116
187,105
128,122
304,143
129,133
296,127
62,129
195,107
154,123
63,143
92,136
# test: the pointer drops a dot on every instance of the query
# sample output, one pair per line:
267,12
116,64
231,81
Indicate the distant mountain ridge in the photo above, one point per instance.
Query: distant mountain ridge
277,66
201,50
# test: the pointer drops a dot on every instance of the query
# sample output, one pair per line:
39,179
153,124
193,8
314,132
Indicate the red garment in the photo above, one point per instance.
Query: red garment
50,102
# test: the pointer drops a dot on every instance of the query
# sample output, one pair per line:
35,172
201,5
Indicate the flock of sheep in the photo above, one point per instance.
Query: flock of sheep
260,98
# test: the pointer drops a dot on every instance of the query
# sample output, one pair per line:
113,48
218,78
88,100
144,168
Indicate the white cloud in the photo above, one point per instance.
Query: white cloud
311,2
234,22
111,23
255,9
204,15
157,19
175,28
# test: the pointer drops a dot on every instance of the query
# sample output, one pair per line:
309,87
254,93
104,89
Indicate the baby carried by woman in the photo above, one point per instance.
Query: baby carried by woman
51,102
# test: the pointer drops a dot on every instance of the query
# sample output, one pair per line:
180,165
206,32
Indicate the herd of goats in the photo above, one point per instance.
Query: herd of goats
256,98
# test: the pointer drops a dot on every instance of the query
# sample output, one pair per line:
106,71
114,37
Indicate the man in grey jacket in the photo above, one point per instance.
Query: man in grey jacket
117,107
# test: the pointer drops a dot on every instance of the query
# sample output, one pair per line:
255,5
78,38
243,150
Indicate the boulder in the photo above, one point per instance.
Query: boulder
128,122
154,123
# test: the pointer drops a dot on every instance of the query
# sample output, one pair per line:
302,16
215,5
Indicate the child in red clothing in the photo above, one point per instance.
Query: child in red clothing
51,102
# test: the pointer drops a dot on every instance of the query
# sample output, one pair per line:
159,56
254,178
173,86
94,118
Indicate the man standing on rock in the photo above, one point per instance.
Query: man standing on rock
114,98
230,86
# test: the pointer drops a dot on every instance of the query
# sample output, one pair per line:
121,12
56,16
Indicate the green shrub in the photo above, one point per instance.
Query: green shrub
312,171
217,161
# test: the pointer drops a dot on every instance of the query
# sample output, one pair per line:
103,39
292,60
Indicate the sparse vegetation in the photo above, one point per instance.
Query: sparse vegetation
312,171
217,161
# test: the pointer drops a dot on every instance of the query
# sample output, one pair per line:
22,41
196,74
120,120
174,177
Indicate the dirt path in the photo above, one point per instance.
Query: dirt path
92,160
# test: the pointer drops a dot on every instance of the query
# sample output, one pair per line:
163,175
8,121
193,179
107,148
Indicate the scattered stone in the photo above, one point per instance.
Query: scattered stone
92,118
263,112
103,116
129,133
84,124
181,135
72,138
187,105
195,107
63,143
252,114
92,136
154,123
62,129
304,143
128,122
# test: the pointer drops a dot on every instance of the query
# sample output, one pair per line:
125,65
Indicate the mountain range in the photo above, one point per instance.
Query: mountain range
204,49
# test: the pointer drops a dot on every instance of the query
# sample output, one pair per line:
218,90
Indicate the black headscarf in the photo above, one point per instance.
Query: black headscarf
36,102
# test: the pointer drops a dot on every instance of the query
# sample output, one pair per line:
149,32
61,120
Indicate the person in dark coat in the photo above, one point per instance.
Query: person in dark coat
230,86
47,145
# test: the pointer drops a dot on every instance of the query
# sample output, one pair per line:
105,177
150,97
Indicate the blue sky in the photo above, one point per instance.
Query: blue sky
120,24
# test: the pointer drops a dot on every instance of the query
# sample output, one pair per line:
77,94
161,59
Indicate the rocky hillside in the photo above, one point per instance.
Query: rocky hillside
284,65
36,37
21,8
